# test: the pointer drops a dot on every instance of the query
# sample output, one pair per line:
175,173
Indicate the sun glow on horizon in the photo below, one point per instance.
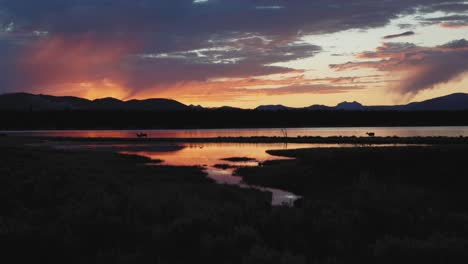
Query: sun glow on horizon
374,64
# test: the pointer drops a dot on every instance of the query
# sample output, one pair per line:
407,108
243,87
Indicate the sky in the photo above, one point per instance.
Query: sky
240,53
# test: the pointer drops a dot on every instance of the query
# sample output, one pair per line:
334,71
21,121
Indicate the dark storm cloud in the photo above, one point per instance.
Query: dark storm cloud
447,6
140,32
451,21
404,34
454,17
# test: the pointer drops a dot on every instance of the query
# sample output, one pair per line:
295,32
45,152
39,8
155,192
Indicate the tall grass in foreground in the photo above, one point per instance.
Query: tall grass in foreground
360,206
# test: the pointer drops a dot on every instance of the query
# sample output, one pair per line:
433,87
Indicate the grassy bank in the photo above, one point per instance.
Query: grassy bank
97,207
404,204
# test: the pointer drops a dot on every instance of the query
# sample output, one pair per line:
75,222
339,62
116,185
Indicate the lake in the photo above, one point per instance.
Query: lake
255,132
205,155
209,156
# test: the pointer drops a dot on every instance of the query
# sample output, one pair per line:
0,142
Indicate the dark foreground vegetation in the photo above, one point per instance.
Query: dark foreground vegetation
95,207
377,205
239,159
402,205
219,118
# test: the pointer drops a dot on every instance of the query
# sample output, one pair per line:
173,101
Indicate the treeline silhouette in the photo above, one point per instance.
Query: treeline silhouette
221,118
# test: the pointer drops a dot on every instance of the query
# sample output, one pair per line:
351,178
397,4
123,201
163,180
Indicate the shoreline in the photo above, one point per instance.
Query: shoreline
307,168
436,140
61,204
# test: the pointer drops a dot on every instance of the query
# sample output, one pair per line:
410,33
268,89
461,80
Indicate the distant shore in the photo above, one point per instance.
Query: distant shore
210,119
306,140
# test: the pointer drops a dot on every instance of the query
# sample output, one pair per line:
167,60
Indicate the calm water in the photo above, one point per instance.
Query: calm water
207,156
252,132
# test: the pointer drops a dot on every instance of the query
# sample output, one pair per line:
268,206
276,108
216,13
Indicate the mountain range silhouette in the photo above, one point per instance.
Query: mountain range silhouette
40,102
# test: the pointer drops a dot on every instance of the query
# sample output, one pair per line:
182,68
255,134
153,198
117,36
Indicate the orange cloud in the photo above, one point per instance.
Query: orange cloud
454,24
419,68
80,65
239,89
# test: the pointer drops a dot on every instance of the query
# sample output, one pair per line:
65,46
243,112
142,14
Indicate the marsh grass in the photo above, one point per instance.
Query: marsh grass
388,205
359,206
225,166
239,159
81,207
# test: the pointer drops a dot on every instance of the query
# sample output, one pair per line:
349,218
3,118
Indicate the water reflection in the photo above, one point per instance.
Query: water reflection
211,154
256,132
206,155
156,147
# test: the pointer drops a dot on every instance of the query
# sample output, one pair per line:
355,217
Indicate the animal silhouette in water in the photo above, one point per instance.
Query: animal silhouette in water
371,134
142,135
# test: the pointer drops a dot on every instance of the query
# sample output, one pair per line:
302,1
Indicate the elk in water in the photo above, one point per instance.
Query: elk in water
371,134
142,135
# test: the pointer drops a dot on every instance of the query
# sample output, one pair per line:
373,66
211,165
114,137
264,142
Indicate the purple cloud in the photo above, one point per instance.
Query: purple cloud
146,45
404,34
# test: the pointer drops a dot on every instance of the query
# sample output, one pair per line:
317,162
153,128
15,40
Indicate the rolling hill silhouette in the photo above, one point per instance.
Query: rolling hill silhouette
457,101
32,102
452,102
25,101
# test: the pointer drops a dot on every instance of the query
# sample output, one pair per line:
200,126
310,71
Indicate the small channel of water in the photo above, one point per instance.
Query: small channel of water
209,156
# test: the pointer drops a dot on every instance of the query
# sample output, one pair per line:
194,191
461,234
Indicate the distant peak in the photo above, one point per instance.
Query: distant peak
348,103
349,106
106,99
272,107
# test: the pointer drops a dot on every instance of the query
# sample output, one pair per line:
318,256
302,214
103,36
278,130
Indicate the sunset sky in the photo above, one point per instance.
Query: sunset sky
241,53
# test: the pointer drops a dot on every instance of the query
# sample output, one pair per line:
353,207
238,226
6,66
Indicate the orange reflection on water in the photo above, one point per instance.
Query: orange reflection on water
255,132
210,154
